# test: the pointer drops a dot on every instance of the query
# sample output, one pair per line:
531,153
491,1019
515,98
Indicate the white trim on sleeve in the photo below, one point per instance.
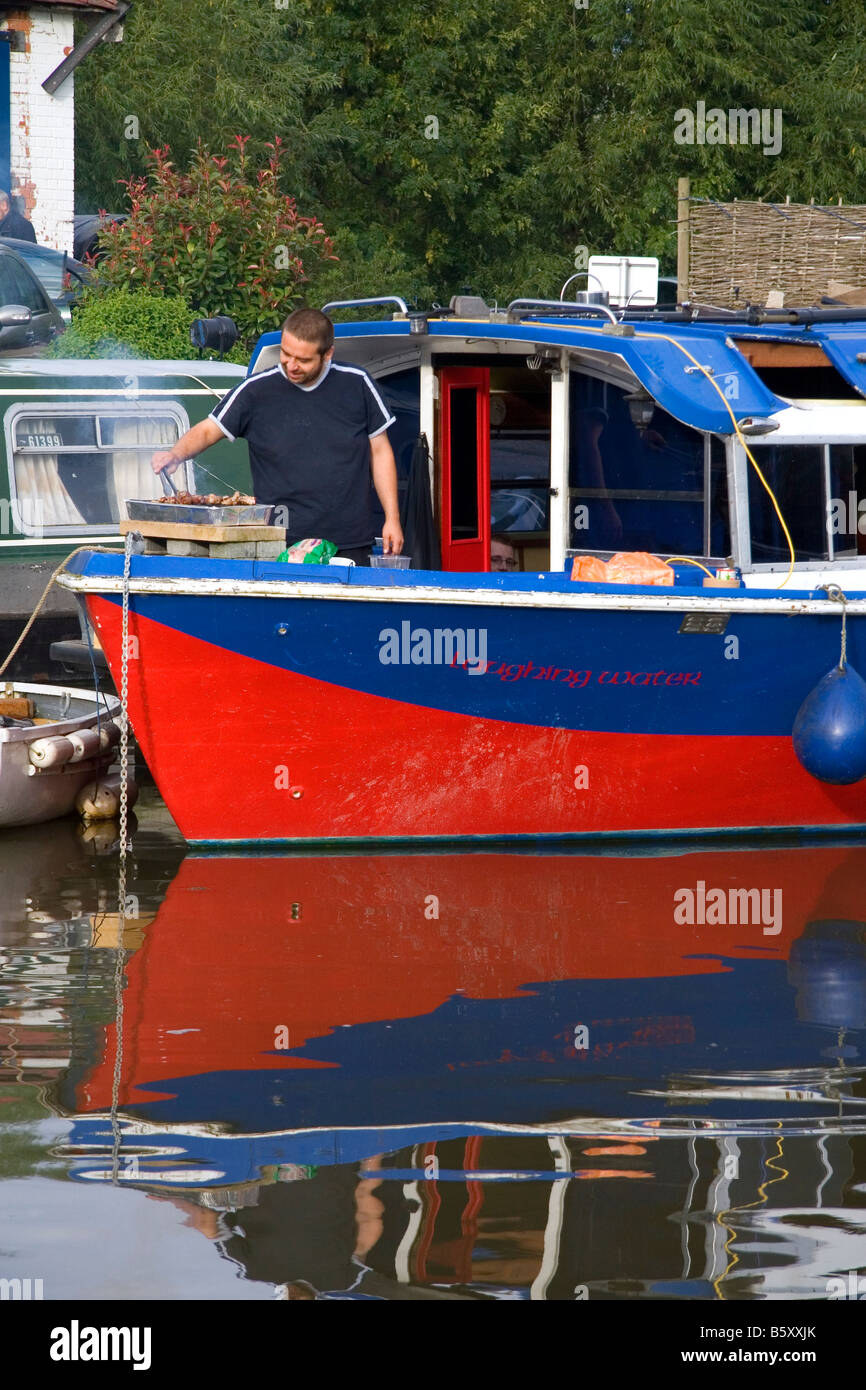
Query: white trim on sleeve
383,428
220,426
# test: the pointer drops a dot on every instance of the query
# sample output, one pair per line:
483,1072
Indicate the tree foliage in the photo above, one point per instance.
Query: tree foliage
478,142
190,70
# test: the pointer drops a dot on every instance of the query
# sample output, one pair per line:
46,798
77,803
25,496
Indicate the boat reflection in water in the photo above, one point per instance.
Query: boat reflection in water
502,1075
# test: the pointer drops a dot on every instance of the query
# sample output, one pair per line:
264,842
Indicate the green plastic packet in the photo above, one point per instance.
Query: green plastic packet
309,552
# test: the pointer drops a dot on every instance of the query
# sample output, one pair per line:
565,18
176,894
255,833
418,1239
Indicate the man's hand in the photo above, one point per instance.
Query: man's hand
200,437
164,462
392,538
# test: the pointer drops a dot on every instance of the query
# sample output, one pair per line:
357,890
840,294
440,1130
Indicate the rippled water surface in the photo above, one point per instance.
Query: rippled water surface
430,1076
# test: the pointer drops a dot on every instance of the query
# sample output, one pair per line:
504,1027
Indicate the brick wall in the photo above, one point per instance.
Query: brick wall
43,126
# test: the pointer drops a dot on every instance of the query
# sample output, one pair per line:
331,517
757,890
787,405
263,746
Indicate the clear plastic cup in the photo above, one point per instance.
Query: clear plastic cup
390,562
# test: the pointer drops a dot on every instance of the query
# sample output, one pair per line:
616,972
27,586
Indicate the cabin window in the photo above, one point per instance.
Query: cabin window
72,471
659,486
464,462
847,503
520,452
817,487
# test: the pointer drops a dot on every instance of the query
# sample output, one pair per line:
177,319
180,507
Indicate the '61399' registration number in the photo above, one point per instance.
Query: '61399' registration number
39,441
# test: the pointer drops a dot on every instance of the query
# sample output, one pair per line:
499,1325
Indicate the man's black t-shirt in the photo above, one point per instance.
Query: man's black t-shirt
310,448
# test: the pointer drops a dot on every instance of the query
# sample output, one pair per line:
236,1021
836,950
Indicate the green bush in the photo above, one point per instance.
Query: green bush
127,323
220,234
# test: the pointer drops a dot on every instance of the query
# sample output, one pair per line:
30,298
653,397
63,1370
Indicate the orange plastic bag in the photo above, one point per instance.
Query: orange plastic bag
589,570
626,567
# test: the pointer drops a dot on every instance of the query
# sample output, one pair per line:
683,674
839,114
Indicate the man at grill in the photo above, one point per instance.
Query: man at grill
316,431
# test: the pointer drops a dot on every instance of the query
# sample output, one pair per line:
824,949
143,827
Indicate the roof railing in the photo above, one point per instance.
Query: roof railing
517,306
365,303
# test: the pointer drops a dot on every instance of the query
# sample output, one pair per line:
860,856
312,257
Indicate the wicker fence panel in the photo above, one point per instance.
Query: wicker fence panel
740,252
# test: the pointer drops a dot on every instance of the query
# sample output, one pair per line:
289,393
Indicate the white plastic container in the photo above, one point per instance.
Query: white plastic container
390,562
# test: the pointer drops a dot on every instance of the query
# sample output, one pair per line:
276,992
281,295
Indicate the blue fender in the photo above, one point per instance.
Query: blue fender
829,732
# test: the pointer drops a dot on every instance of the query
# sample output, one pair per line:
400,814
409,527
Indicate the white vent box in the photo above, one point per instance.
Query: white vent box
632,280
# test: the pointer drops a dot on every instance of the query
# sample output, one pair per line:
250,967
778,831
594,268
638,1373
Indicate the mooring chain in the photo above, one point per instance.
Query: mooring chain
121,876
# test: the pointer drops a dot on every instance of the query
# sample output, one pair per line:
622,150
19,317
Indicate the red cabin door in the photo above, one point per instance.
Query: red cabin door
464,396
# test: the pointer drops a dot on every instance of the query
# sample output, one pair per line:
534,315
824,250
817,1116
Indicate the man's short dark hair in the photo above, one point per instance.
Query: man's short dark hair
311,326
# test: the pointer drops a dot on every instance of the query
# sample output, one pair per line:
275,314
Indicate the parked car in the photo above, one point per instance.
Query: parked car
28,319
62,277
85,232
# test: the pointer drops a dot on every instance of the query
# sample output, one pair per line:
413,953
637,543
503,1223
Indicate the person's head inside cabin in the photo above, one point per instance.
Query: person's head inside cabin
306,345
503,555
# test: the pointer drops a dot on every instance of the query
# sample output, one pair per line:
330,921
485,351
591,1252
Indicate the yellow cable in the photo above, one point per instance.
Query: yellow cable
749,455
747,1206
685,560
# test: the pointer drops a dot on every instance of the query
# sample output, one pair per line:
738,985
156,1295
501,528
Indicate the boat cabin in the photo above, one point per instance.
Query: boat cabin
563,427
569,428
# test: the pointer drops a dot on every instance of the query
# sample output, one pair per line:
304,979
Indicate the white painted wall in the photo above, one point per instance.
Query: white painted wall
43,126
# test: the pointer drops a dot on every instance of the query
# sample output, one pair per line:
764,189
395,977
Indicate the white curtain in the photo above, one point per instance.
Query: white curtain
40,491
129,472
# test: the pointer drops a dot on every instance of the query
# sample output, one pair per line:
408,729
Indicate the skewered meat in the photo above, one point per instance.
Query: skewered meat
194,499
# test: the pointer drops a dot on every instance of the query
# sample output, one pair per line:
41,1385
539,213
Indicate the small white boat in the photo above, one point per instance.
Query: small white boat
47,758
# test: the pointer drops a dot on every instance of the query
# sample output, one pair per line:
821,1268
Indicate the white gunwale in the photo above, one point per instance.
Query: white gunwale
734,601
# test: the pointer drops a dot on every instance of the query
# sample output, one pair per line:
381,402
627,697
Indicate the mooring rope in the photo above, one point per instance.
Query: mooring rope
99,549
836,594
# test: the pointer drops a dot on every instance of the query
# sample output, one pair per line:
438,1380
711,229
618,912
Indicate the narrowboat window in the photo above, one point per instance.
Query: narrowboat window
72,470
795,472
464,462
658,486
57,432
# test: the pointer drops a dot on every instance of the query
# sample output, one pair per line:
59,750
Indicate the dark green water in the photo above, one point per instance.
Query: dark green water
430,1076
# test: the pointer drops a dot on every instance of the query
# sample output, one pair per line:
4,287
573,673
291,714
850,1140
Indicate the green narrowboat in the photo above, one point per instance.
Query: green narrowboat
77,437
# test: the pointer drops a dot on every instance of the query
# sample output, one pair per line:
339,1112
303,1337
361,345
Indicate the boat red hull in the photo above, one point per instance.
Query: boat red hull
243,750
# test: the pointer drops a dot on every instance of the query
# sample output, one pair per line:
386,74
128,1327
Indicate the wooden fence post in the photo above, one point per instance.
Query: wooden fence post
683,209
